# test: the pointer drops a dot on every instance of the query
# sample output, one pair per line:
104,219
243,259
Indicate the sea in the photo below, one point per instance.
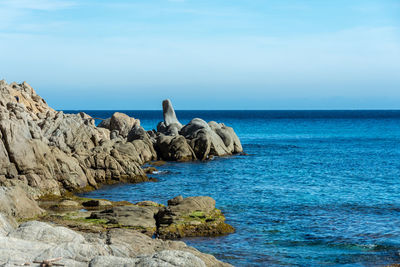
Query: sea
316,188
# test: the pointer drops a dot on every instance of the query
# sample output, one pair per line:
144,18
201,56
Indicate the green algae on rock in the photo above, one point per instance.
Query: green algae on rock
190,217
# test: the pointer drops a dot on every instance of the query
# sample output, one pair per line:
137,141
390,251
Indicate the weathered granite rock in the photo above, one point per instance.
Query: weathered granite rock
101,261
16,203
166,258
130,243
15,251
122,123
205,139
134,217
38,241
174,148
7,224
192,216
43,232
48,152
169,114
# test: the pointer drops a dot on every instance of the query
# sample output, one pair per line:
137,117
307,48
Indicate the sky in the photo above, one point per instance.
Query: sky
204,54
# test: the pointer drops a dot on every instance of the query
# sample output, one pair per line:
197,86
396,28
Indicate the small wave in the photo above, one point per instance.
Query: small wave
161,172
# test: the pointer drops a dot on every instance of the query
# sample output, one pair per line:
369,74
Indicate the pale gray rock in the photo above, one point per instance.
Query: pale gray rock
203,139
43,232
80,252
170,258
129,243
211,139
228,135
112,261
17,251
38,241
169,114
166,258
7,224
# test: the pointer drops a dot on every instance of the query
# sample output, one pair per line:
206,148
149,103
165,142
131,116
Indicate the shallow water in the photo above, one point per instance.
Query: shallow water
317,188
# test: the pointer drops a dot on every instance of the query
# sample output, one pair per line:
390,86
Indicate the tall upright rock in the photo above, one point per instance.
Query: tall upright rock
169,113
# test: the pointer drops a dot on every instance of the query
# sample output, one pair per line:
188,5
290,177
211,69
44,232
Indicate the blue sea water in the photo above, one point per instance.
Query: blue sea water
316,188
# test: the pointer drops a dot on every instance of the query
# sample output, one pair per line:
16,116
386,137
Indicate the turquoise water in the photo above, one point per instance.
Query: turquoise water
317,188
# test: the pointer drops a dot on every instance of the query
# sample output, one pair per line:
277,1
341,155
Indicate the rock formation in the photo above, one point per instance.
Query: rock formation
201,140
36,241
183,217
46,154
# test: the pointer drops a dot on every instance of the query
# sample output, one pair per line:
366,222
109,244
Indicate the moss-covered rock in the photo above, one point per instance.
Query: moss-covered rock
189,217
133,217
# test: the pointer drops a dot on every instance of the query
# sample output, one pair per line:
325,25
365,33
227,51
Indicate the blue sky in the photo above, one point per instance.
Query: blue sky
211,54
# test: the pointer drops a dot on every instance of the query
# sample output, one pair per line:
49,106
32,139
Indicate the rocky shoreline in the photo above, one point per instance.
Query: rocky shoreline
47,156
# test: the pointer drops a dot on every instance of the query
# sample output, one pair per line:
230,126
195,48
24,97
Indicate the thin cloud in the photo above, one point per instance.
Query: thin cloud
44,5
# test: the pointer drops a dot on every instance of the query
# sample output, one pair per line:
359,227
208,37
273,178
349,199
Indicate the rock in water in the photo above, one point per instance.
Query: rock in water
204,140
191,216
169,114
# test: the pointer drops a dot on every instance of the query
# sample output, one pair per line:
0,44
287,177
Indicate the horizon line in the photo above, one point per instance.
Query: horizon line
379,109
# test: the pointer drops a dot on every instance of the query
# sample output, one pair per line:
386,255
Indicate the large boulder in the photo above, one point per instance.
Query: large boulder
228,136
174,148
134,217
122,123
206,142
192,216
